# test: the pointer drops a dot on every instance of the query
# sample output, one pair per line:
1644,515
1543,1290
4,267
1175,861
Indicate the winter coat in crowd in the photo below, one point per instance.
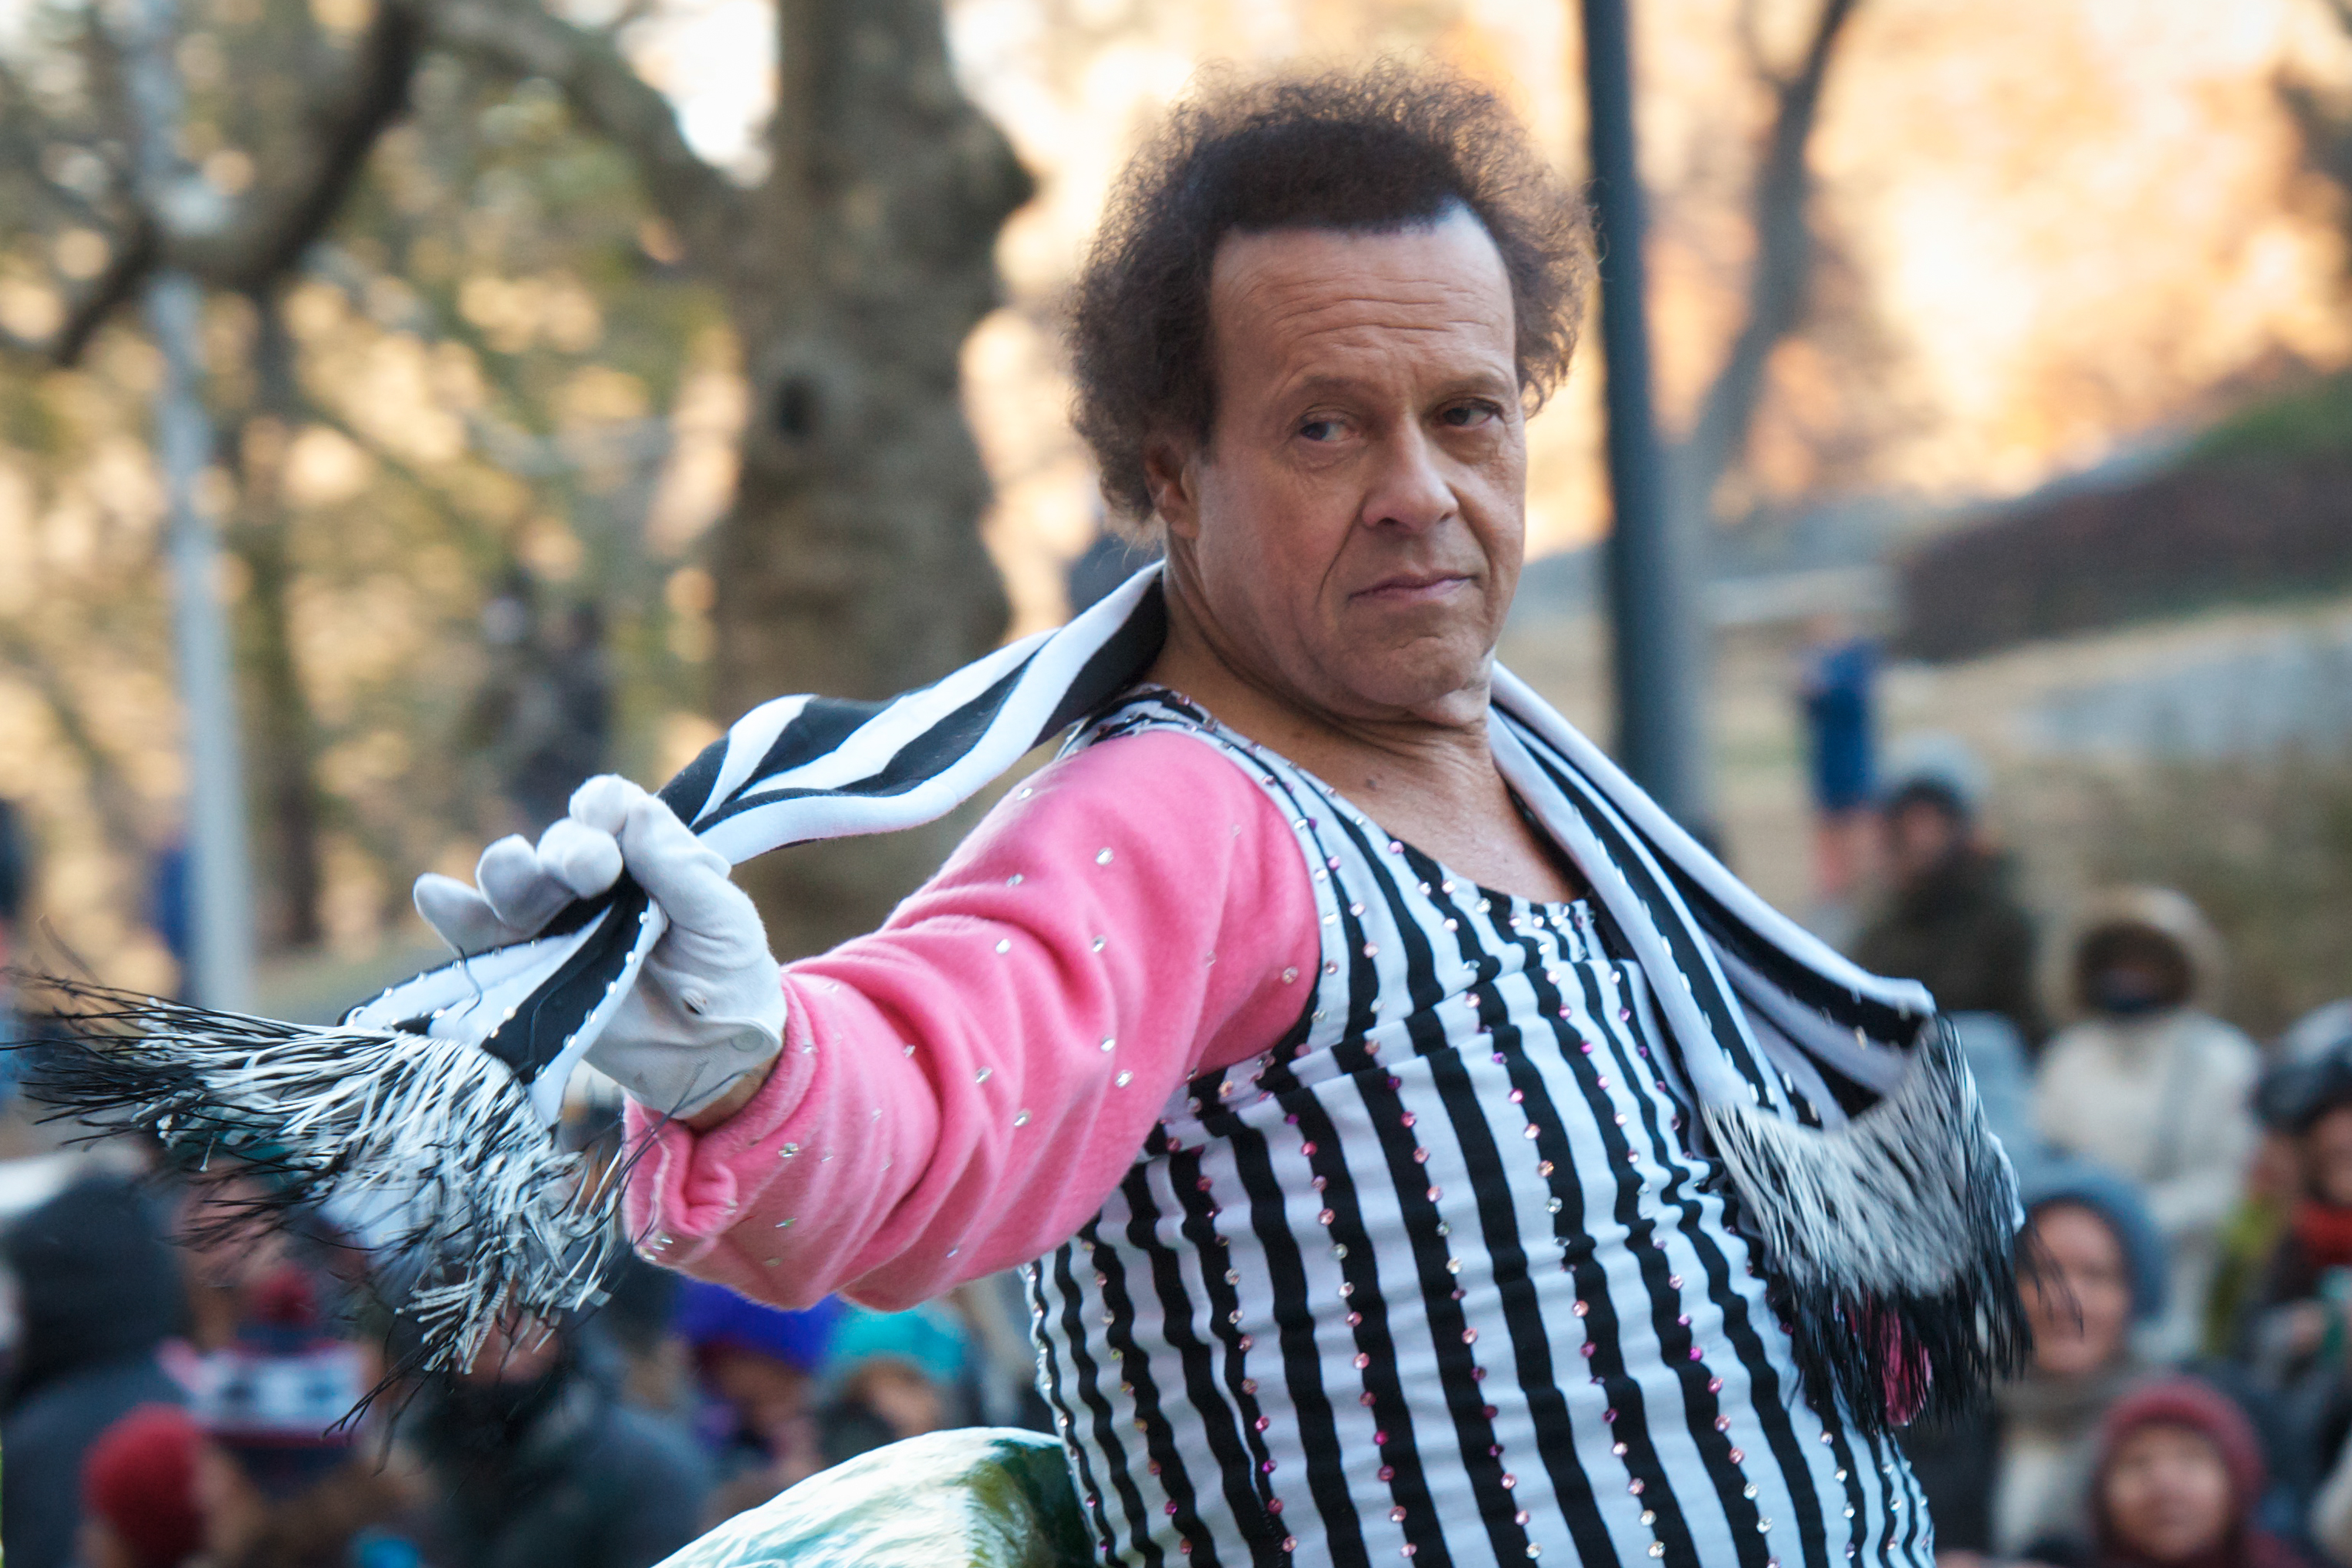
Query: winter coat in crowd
100,1290
1962,933
2152,1087
556,1472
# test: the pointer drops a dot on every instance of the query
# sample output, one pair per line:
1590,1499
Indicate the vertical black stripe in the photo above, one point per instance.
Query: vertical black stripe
1466,1400
1603,1330
1107,1438
1302,1362
1747,1347
1530,1336
1125,1339
1050,1376
1358,1272
1193,1188
1192,1356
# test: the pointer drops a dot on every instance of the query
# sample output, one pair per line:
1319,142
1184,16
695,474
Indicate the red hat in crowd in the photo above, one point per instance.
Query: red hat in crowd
2203,1409
140,1477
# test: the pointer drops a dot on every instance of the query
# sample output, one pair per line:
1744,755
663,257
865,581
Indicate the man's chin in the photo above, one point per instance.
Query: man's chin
1433,680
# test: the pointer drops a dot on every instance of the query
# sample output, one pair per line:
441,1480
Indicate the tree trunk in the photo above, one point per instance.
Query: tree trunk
850,563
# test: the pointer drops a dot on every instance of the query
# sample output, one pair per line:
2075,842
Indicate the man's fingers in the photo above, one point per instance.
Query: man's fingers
685,876
521,891
460,914
605,803
584,858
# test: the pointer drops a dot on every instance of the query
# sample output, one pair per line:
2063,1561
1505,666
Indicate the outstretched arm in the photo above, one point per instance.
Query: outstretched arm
959,1092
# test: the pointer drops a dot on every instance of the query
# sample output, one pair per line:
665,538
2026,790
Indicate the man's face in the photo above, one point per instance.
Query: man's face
1355,524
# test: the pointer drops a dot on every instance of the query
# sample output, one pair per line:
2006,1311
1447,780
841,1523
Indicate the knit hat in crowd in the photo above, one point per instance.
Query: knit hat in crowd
2117,1202
2200,1407
2314,1070
277,1398
713,1318
929,1339
140,1478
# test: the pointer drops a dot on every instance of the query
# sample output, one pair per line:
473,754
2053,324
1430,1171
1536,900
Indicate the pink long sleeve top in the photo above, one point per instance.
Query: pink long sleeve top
960,1091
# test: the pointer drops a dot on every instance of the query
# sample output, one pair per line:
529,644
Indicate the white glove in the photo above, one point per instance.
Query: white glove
709,1006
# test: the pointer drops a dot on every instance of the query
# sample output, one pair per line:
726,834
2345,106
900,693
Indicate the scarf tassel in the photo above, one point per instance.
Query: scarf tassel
427,1147
1890,1242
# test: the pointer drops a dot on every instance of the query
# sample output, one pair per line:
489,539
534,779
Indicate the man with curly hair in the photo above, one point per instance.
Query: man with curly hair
1418,1148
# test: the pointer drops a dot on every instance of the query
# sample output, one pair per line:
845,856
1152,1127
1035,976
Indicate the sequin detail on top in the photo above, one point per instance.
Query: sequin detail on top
1437,1279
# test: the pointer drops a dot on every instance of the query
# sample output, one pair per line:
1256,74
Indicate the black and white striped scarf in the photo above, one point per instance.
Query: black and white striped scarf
1885,1211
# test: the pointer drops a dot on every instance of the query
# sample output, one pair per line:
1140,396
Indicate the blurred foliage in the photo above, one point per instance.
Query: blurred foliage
487,361
2264,847
2313,421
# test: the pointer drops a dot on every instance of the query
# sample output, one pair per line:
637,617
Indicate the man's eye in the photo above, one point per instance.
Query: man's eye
1462,415
1320,429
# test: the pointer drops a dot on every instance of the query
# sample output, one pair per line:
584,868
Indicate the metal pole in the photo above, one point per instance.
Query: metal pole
220,916
1653,586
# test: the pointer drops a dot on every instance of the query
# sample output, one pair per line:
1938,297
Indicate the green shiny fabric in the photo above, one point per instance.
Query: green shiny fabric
980,1498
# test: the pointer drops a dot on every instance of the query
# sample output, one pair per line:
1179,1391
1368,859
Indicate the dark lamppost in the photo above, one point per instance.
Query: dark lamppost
1654,587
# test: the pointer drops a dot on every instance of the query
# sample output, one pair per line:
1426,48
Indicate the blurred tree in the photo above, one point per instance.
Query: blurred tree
1782,271
365,251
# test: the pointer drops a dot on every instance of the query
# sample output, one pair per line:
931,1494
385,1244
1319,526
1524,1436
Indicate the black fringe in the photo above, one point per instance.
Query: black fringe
451,1265
1868,1340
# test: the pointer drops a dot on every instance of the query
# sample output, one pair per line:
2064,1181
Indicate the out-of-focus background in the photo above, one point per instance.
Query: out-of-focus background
554,379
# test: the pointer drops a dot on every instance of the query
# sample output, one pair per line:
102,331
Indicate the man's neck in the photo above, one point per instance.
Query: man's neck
1429,781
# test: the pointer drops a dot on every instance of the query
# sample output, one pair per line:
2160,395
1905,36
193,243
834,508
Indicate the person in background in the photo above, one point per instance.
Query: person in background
892,1376
2150,1085
99,1294
1949,919
2295,1331
2017,1475
169,893
1835,696
2176,1485
538,1463
759,1367
138,1492
281,1476
2274,1188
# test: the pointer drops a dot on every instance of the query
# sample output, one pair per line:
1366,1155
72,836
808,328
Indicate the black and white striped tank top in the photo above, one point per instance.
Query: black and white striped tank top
1438,1278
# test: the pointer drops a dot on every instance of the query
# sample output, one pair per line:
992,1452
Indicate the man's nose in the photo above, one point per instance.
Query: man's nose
1409,488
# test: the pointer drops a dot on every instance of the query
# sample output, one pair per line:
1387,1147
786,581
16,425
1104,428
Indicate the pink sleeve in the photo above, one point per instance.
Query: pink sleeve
960,1091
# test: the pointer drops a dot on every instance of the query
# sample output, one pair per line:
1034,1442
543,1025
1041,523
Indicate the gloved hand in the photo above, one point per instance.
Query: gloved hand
707,1008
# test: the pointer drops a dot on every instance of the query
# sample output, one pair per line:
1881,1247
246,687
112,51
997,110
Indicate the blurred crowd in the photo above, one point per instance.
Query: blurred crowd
2186,1255
183,1385
180,1384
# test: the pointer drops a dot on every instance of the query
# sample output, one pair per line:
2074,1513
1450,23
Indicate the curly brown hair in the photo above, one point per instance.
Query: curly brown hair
1385,147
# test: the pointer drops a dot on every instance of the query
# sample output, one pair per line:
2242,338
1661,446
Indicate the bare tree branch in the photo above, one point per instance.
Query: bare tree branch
605,91
129,260
1779,283
271,237
265,241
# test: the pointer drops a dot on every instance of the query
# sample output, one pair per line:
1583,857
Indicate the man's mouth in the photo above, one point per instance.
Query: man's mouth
1405,588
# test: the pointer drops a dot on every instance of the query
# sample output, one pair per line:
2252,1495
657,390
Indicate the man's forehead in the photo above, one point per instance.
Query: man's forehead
1304,285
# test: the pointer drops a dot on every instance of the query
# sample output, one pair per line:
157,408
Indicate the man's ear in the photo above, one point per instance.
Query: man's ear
1170,471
